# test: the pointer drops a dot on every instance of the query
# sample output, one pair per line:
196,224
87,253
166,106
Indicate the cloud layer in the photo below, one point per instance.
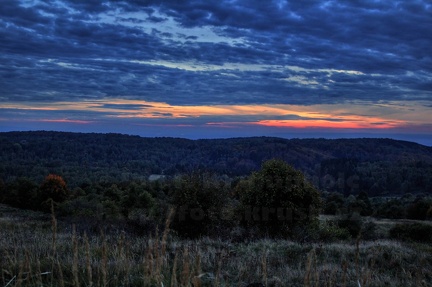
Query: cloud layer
369,57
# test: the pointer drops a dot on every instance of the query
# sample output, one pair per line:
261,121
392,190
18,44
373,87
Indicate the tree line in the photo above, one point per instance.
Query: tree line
276,201
271,202
348,166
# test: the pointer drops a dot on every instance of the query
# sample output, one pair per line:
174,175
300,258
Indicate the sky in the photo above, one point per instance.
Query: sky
218,69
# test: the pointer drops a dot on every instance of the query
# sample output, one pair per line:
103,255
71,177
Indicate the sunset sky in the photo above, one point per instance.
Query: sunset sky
217,69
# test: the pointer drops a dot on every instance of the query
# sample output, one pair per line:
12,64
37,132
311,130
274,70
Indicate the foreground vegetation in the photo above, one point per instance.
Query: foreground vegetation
39,250
266,203
103,225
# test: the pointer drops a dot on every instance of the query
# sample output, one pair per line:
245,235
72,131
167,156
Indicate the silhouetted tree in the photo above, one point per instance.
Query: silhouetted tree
278,198
362,204
392,209
334,203
21,193
53,188
198,199
418,209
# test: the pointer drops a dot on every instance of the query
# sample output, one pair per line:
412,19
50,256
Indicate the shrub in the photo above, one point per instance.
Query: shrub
198,199
334,203
419,209
393,209
329,231
21,193
429,213
352,223
278,198
368,230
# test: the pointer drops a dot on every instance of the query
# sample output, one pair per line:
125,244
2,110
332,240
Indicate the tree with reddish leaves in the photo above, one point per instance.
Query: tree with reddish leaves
53,188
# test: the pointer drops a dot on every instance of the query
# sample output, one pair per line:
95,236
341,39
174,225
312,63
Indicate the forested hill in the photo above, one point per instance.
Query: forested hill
378,166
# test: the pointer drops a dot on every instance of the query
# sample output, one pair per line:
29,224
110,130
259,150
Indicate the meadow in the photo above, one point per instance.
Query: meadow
37,249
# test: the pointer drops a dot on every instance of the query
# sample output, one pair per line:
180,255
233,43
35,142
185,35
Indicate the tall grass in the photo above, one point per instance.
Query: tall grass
41,254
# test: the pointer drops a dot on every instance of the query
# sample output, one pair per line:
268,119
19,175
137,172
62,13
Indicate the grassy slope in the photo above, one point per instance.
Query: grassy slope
31,254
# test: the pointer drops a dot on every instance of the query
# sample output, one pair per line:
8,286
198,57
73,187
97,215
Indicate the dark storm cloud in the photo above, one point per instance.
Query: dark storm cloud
330,26
90,6
35,115
11,12
310,51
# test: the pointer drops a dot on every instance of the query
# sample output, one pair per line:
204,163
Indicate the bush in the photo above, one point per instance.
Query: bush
84,206
21,193
419,209
278,199
417,232
198,199
393,209
334,203
368,231
330,232
352,223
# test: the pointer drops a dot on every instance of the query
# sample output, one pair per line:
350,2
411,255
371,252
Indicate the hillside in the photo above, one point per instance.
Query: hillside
378,166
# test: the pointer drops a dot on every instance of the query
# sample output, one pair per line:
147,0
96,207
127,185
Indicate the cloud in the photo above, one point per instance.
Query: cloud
353,115
308,54
124,106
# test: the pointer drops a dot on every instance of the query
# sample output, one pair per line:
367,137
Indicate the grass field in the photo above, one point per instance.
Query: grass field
38,250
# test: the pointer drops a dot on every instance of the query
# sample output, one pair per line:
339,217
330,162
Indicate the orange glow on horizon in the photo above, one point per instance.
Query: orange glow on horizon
356,115
327,124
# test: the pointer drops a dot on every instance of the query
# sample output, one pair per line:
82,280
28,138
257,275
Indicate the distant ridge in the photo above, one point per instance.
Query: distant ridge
80,157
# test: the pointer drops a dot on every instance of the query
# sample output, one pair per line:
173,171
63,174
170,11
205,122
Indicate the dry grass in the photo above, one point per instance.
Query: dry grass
37,253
